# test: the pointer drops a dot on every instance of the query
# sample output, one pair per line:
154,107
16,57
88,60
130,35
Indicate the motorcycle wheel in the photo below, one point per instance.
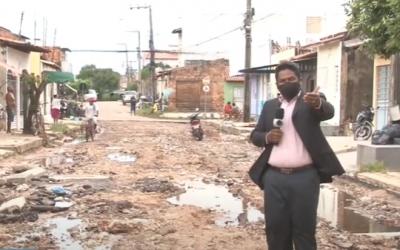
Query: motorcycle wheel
363,133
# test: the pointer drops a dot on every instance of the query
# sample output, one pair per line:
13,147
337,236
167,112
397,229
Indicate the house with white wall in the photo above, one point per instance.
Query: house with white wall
14,57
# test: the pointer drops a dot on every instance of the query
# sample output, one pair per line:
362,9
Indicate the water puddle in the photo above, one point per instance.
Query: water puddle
122,158
60,230
77,141
334,207
57,160
234,211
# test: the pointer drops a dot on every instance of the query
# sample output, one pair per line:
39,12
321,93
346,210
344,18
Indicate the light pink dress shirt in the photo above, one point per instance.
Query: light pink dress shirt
290,152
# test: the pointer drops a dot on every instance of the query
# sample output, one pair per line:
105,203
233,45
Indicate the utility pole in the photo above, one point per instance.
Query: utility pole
247,94
139,61
152,62
153,81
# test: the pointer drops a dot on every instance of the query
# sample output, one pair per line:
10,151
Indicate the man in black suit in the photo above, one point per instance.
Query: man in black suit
296,159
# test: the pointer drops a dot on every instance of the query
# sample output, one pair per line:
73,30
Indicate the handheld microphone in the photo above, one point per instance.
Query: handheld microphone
278,120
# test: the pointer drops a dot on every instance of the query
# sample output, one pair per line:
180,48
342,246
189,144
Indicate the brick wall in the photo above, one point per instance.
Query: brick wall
217,71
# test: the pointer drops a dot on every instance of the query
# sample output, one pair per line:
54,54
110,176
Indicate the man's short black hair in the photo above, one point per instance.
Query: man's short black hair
287,65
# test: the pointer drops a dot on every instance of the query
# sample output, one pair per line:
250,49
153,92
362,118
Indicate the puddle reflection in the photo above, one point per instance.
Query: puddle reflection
59,230
334,207
122,158
234,211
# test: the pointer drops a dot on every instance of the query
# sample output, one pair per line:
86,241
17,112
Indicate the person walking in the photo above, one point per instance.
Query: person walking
295,160
10,107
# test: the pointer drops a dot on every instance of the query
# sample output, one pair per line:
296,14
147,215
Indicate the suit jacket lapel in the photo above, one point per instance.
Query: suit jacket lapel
299,103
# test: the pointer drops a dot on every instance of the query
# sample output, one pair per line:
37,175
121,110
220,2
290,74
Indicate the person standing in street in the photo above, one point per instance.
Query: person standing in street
55,109
10,107
133,105
295,160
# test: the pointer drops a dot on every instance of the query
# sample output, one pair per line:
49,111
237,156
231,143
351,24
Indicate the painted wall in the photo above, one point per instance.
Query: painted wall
329,77
18,60
229,89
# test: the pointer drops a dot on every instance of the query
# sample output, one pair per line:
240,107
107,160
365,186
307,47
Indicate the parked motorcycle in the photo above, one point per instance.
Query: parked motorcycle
362,128
197,130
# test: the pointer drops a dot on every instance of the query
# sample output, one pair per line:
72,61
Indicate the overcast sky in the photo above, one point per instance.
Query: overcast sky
94,24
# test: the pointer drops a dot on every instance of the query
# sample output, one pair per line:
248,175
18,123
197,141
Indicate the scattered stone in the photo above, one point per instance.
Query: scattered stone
78,178
47,202
59,198
43,208
20,169
25,176
22,188
63,204
122,205
68,139
344,245
148,185
20,217
168,229
118,227
5,237
17,203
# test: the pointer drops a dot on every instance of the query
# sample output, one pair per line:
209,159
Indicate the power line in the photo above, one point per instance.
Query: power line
125,51
231,31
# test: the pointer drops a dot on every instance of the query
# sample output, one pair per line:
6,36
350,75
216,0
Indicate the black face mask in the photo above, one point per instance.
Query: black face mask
289,90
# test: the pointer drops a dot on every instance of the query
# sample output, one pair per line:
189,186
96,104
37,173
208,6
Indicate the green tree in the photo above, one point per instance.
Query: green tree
377,22
102,80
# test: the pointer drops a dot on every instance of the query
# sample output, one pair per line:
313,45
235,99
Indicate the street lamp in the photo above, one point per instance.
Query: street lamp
151,47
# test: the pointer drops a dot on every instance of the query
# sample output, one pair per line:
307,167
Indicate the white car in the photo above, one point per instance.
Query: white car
91,95
127,95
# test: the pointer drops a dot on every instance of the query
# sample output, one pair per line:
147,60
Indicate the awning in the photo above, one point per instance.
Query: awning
260,70
58,77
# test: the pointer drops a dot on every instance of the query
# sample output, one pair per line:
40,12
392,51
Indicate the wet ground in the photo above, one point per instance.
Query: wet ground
146,185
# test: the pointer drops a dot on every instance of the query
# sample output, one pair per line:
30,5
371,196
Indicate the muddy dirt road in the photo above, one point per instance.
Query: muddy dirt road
149,185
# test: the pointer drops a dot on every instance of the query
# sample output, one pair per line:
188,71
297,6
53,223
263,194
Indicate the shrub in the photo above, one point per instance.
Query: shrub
373,167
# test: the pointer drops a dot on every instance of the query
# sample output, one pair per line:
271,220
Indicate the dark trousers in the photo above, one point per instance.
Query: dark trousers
10,118
290,202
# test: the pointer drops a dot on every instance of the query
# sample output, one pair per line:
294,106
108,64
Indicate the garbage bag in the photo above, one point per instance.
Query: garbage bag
379,137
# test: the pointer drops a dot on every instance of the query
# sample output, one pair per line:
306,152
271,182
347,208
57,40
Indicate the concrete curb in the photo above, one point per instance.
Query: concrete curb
346,150
7,151
372,183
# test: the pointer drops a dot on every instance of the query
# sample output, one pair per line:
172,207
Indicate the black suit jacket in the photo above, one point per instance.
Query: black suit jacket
306,121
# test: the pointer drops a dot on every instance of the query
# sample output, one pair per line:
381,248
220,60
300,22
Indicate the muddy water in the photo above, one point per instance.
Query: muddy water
334,207
59,230
231,210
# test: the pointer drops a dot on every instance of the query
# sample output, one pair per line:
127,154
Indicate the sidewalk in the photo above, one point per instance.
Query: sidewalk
17,144
345,148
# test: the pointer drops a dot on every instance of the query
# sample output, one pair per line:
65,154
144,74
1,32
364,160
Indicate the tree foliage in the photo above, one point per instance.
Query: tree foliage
377,22
102,80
